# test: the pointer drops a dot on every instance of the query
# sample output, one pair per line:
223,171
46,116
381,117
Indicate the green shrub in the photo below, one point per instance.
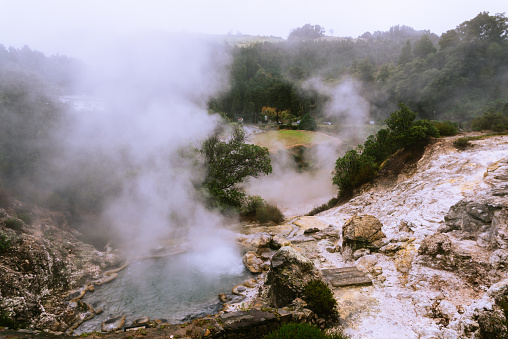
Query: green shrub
7,321
307,123
320,300
461,143
24,215
446,128
352,170
5,242
326,206
269,213
300,331
360,165
495,121
13,223
251,205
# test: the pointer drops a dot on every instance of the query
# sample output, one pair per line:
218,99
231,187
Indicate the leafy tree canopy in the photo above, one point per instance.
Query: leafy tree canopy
228,163
307,31
360,165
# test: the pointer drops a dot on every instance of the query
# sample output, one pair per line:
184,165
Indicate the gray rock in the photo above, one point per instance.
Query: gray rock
435,244
360,253
499,259
470,217
289,273
500,229
278,241
311,230
366,262
141,321
113,324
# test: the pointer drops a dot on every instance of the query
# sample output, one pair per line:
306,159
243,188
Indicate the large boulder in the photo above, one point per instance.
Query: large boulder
289,273
362,231
469,216
439,252
484,222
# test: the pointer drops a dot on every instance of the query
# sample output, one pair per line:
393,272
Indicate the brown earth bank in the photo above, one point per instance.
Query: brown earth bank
420,253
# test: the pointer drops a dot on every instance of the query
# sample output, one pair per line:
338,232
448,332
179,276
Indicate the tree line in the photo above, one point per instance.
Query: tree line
454,77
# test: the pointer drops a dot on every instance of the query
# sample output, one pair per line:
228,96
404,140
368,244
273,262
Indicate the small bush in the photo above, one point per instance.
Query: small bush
301,331
326,206
446,128
5,242
25,216
320,300
462,143
495,121
7,321
307,123
251,205
13,223
269,213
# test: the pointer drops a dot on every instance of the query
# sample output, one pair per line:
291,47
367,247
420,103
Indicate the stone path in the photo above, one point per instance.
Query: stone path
346,276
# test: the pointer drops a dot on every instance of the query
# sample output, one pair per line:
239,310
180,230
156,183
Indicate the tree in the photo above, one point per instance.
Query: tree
359,165
307,31
484,27
271,113
406,55
307,123
423,47
228,164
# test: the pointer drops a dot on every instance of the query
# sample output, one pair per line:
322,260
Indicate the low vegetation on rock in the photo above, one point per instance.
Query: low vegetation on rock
301,331
320,299
360,165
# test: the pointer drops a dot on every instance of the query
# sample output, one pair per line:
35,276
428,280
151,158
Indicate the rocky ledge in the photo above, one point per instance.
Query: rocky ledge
45,270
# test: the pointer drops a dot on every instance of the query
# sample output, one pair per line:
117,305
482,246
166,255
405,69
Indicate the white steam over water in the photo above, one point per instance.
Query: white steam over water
155,89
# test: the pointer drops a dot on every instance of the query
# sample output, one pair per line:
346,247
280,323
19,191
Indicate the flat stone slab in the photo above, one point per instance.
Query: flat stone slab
346,276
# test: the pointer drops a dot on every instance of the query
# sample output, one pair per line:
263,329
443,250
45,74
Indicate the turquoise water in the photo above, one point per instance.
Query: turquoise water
170,288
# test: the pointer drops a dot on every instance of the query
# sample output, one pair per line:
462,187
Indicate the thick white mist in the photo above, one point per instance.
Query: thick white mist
293,191
297,192
346,103
155,89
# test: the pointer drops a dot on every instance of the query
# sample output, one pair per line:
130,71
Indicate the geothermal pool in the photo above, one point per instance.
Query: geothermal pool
170,288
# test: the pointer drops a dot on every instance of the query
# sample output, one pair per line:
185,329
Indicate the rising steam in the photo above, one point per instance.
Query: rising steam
155,91
295,191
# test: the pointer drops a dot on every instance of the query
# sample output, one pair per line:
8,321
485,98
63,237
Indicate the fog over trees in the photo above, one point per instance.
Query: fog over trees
458,76
454,77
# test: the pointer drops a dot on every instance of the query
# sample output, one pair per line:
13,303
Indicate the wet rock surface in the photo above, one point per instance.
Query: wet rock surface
41,268
289,273
113,324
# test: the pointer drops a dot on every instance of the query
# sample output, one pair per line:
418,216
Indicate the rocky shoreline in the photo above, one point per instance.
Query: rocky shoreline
423,257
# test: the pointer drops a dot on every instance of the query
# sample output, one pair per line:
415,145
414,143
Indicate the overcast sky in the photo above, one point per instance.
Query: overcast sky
61,26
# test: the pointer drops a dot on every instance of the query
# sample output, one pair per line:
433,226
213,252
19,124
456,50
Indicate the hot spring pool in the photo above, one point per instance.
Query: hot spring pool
170,288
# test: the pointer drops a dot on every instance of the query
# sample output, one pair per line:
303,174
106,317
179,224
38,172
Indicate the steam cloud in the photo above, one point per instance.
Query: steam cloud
294,191
155,91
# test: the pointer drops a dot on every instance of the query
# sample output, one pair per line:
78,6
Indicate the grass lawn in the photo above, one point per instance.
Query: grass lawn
275,140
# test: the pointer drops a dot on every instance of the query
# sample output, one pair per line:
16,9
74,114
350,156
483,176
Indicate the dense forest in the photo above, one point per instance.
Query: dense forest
456,76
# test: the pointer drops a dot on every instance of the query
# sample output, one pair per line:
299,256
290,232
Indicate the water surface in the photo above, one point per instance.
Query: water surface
170,288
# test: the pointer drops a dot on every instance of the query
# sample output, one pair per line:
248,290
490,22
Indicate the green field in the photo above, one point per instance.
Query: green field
281,139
